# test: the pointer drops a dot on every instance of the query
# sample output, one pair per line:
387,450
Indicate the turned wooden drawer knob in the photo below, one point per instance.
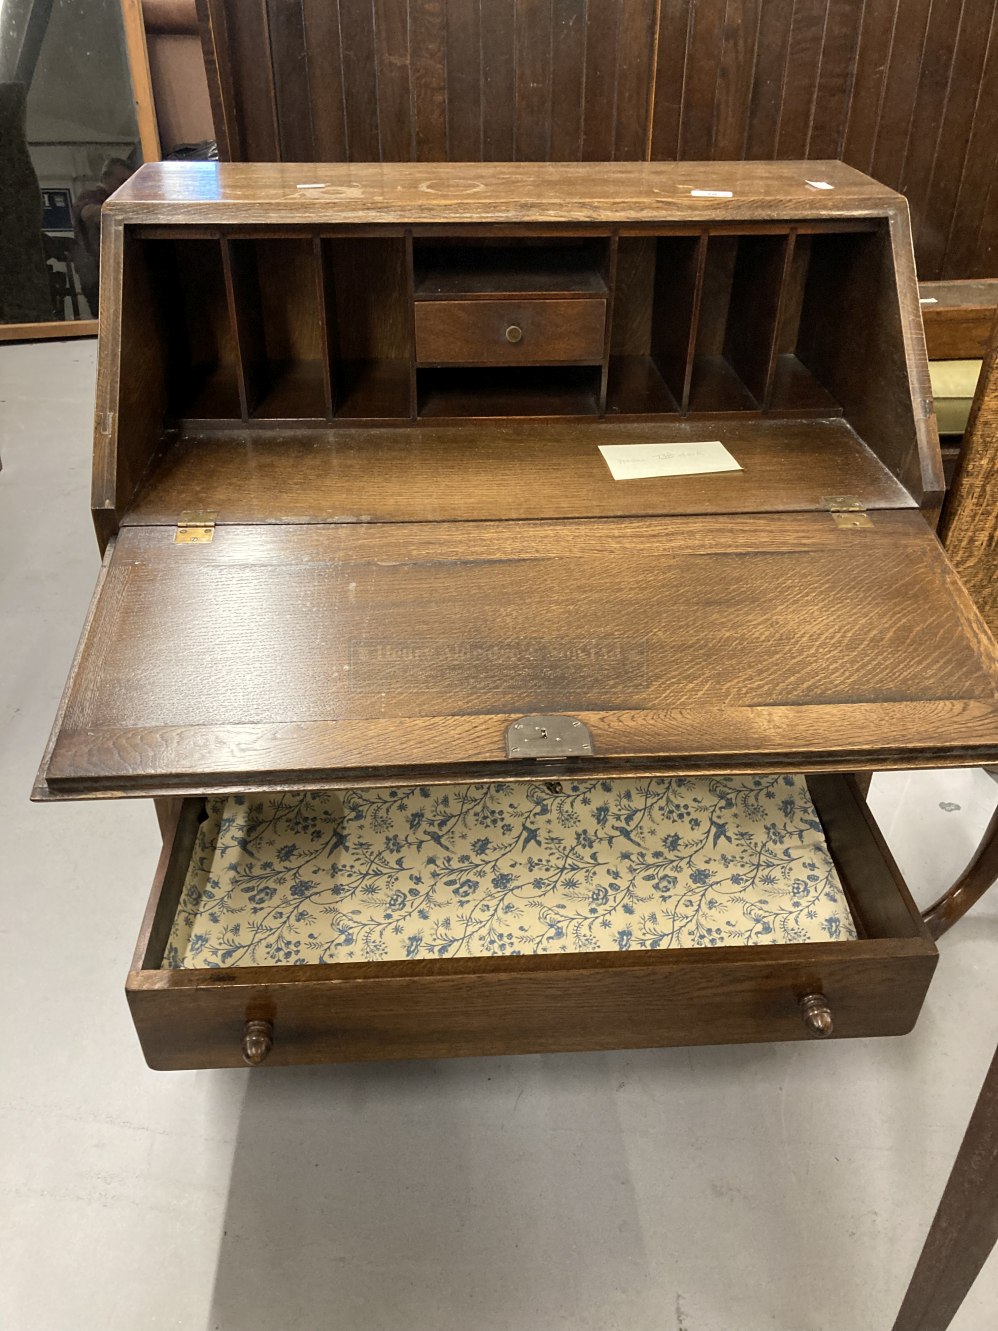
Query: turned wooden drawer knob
817,1015
514,333
258,1040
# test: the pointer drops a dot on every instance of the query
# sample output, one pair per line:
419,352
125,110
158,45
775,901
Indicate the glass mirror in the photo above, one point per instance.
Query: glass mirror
68,138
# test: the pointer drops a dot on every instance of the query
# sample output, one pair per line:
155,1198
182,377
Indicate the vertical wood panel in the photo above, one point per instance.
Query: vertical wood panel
325,80
800,86
706,32
533,81
835,75
360,80
931,97
979,163
907,89
249,48
498,27
954,139
428,62
769,75
740,33
568,39
986,249
601,80
873,54
464,81
900,86
391,43
633,77
675,20
291,80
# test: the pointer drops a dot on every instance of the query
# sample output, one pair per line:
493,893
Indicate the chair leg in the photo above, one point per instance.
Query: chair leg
965,1228
975,880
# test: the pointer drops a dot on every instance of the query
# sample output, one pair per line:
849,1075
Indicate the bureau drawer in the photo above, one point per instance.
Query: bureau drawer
510,332
433,1007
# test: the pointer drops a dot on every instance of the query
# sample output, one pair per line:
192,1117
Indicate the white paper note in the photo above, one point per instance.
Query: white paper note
819,184
712,194
631,462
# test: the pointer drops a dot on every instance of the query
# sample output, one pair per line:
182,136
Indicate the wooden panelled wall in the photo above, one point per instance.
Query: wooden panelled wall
904,89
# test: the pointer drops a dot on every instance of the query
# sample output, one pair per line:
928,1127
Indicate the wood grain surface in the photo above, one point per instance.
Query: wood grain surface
958,317
965,1228
450,192
716,316
526,1004
476,332
970,530
507,471
903,89
305,654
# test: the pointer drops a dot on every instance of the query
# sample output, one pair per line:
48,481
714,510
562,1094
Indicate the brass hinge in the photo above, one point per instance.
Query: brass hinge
196,527
846,511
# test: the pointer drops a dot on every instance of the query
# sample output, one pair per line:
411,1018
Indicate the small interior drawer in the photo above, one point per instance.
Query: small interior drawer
510,332
865,980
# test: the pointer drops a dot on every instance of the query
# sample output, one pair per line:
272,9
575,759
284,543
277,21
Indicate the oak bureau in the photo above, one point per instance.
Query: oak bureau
459,744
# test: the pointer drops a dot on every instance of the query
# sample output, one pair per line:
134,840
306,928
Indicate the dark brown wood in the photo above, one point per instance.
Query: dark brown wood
968,528
242,285
980,875
427,1009
753,322
136,404
257,1041
196,1019
510,332
406,555
853,273
302,327
529,470
900,88
817,1016
679,269
167,812
965,1228
510,267
595,194
292,82
958,317
324,54
564,392
381,614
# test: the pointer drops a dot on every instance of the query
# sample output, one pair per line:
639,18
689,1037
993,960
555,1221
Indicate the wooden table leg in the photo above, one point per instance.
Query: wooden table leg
966,1225
968,889
167,809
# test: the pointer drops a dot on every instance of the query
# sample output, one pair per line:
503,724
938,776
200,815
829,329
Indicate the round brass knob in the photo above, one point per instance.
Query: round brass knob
514,333
258,1040
817,1015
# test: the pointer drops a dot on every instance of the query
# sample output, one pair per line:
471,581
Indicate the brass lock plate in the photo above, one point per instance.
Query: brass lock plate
548,737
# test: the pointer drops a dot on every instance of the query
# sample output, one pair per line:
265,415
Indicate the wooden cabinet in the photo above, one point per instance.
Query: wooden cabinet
359,535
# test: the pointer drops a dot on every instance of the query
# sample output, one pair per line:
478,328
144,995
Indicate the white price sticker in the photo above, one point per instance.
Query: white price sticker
632,462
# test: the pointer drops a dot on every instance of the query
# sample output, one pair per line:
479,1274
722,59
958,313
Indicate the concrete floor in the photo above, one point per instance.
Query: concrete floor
729,1189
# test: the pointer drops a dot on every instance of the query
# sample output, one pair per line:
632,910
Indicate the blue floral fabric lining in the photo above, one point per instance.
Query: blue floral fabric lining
502,869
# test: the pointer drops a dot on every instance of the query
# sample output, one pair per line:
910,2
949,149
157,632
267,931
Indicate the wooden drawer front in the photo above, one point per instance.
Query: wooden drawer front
509,332
196,1020
348,1012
